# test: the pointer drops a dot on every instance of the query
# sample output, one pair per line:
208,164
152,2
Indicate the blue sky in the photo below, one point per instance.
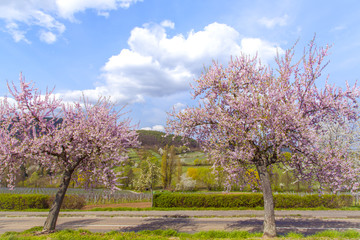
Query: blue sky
145,53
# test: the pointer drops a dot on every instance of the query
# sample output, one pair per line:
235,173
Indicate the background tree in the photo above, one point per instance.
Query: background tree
179,171
149,175
90,139
249,114
168,165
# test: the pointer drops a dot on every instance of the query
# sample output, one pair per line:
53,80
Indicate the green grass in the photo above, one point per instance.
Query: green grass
166,234
350,234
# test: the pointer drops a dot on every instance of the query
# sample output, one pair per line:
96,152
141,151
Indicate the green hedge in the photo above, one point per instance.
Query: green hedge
251,200
9,201
23,201
70,202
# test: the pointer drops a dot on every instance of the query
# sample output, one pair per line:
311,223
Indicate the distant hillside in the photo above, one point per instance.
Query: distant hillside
151,139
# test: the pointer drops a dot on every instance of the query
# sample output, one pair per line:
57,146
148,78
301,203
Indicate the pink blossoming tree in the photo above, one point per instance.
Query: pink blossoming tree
79,139
248,115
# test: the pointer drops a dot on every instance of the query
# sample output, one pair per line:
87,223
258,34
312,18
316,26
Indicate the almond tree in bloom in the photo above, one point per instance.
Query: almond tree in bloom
249,114
79,139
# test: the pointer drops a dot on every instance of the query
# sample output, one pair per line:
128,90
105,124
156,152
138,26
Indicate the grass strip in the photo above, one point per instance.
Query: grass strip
81,234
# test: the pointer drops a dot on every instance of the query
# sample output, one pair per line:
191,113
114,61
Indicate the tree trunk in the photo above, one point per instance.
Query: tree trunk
50,222
269,218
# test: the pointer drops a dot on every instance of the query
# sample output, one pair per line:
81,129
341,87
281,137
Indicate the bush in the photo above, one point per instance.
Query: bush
70,202
312,201
250,200
10,201
169,200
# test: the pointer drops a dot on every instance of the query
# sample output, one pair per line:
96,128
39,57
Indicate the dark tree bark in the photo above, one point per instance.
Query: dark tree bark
51,220
269,218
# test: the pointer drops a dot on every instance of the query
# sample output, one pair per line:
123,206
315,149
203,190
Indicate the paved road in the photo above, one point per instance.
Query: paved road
306,222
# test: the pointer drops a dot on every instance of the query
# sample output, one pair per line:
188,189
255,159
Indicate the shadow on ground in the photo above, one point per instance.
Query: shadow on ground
178,224
75,224
304,226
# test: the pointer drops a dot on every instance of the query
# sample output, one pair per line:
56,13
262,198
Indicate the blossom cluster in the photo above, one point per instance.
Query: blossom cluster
86,139
248,115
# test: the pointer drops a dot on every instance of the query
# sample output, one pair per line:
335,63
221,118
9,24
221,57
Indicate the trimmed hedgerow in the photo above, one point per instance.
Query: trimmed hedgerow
70,202
312,201
250,200
23,201
10,201
168,200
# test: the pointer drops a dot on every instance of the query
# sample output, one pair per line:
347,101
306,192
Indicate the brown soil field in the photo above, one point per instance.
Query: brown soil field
119,205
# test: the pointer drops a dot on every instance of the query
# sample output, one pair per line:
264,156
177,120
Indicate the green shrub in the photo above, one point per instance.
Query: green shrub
9,201
169,200
70,202
249,200
23,201
312,201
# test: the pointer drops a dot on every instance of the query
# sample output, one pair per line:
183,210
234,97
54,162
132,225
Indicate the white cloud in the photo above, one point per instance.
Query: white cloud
160,128
338,28
17,34
156,65
10,101
67,8
47,37
178,106
272,22
104,14
264,49
168,23
20,15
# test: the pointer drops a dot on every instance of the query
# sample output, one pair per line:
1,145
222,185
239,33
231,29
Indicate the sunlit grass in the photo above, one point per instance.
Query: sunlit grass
33,233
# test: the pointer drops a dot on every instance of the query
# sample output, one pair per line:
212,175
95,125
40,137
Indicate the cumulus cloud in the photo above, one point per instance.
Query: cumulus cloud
20,15
159,128
157,65
272,22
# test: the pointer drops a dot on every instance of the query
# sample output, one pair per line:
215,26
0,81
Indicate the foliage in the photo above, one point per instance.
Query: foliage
37,201
23,201
193,173
168,165
89,137
94,196
149,175
203,175
249,114
80,138
186,183
249,200
70,202
312,201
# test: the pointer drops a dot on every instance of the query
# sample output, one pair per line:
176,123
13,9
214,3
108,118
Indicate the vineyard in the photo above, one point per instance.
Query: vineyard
93,196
